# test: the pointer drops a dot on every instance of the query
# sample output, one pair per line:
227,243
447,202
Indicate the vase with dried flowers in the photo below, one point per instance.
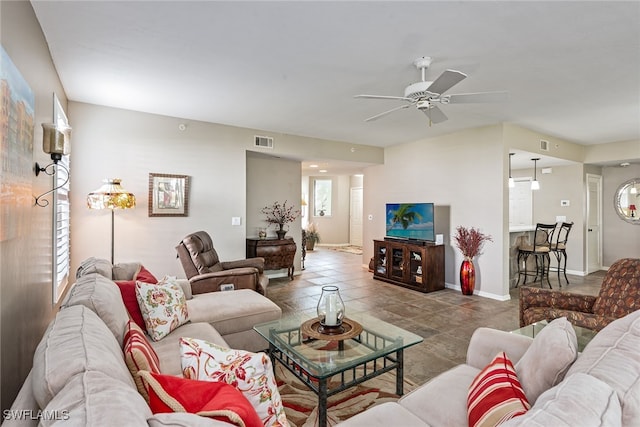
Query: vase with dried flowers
280,215
470,242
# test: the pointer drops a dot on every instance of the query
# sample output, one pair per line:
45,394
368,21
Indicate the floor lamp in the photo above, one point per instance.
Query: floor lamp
111,196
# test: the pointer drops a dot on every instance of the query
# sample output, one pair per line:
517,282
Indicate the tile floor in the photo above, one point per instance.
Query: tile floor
445,319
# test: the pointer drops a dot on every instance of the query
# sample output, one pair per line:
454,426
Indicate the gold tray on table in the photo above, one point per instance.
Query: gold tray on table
350,329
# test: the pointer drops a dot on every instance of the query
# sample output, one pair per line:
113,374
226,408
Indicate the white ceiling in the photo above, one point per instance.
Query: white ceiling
572,69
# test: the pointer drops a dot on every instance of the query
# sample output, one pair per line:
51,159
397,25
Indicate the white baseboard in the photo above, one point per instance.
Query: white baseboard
480,293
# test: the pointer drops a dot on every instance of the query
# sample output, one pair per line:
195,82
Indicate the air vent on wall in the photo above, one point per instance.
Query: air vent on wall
544,145
263,141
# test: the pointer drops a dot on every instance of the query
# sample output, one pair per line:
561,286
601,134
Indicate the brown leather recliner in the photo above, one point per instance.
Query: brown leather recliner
207,273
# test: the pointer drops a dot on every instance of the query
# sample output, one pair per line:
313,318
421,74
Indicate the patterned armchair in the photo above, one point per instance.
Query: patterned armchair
619,296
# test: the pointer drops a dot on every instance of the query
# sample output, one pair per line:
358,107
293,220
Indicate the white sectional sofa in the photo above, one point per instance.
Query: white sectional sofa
79,376
600,388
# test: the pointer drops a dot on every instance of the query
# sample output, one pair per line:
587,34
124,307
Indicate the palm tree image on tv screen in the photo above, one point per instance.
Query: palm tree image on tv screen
410,221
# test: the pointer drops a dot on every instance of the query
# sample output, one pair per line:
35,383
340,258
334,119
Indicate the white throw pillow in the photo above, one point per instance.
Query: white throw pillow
251,373
547,360
163,306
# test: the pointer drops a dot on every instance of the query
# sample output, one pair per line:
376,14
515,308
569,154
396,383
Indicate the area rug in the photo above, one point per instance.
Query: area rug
301,404
348,249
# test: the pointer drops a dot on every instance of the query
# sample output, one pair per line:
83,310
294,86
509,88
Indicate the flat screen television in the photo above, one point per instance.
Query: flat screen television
410,221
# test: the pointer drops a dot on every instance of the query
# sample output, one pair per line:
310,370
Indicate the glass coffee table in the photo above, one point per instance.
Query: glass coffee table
583,335
377,349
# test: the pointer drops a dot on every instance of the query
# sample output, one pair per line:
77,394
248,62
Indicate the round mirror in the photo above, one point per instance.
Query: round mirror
627,201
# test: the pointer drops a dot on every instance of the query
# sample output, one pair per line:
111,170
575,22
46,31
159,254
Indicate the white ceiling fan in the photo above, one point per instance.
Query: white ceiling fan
426,94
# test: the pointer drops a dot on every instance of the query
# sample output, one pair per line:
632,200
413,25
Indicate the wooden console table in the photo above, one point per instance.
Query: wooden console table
277,253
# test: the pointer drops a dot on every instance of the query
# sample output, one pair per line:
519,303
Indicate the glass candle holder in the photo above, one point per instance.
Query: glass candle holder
330,308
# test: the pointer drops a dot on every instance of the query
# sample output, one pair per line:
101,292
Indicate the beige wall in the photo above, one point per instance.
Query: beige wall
271,179
25,260
623,151
115,143
622,239
464,172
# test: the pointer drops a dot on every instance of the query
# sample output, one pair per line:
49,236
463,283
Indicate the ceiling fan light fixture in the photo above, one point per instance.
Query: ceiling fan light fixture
424,94
418,90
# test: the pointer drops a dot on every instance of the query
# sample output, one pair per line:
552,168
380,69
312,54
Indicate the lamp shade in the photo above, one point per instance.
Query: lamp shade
54,140
111,196
632,207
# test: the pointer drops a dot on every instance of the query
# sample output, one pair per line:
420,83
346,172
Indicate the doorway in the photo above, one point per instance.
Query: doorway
355,217
594,223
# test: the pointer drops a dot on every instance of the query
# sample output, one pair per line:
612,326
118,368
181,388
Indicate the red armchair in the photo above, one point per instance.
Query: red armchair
619,296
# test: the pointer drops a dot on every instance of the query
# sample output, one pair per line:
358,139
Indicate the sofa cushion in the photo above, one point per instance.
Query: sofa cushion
579,397
126,270
251,373
232,311
495,395
102,296
163,307
452,411
612,357
139,355
75,341
208,399
384,415
93,398
548,358
95,265
168,348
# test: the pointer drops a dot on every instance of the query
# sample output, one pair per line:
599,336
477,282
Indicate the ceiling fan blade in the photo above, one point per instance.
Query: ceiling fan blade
477,97
446,81
377,116
435,114
397,98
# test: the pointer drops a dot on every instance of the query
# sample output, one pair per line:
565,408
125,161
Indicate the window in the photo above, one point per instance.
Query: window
61,220
322,197
61,229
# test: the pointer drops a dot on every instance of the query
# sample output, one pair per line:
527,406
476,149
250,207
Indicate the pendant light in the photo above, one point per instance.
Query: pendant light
535,185
511,181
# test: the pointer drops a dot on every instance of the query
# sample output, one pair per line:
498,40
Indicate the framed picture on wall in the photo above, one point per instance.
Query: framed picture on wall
168,195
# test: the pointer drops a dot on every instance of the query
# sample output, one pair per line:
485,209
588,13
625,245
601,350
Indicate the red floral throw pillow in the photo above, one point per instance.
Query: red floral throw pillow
216,400
495,395
251,373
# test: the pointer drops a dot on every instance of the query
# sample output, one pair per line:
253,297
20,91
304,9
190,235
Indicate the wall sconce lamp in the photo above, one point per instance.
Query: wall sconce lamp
112,196
56,143
511,181
535,184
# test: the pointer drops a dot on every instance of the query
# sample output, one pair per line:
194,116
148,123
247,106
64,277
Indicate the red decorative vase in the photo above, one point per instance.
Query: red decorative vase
467,277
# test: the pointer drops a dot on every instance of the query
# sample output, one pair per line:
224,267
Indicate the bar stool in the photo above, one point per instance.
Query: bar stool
559,249
542,238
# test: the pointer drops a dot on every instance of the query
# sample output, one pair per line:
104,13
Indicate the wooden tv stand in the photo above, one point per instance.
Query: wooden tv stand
414,265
